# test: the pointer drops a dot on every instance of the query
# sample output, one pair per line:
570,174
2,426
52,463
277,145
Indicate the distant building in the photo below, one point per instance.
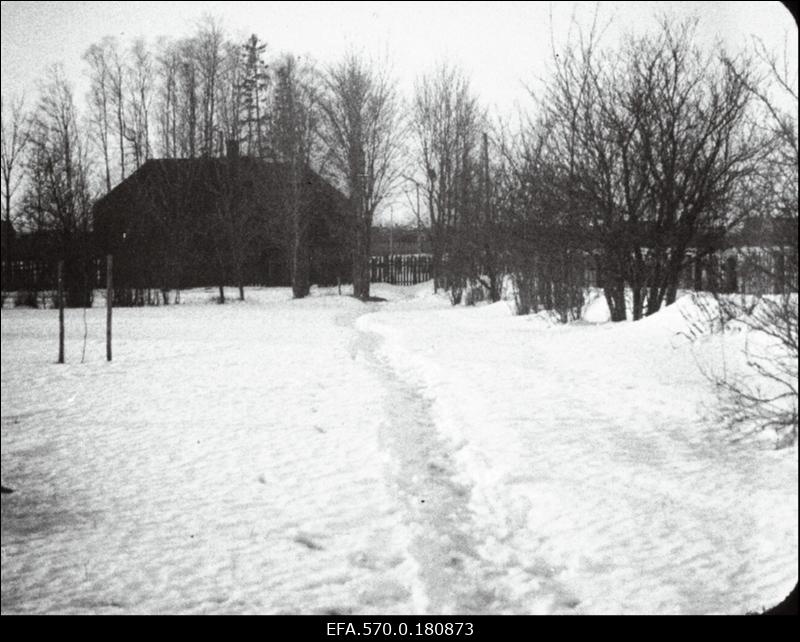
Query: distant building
179,223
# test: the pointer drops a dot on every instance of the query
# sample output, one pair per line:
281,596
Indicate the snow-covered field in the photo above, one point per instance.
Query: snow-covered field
329,456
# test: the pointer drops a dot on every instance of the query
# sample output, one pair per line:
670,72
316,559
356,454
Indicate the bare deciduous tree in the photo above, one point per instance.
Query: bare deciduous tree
140,85
447,122
15,136
361,131
654,139
97,57
60,198
547,250
116,65
489,231
167,68
233,226
230,92
188,97
209,45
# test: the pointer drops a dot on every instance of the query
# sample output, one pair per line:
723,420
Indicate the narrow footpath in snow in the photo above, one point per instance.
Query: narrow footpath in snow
446,538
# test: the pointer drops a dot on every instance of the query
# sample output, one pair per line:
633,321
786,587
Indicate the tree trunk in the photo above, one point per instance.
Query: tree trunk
615,297
638,303
361,272
8,263
495,282
436,270
300,269
239,273
673,277
121,128
360,278
654,295
697,267
614,284
522,293
672,292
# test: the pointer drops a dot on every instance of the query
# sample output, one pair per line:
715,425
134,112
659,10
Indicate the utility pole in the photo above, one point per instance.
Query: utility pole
391,229
419,224
486,175
61,311
109,302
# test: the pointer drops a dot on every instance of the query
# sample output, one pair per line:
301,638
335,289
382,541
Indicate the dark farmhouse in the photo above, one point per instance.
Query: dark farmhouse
181,223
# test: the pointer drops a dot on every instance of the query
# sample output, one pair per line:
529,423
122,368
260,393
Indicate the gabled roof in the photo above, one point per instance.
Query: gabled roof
205,174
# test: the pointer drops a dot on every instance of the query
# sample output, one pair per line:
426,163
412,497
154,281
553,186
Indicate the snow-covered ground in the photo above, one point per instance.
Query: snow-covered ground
327,456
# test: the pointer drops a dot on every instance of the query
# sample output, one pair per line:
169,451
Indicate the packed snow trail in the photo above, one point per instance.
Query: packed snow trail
446,537
436,511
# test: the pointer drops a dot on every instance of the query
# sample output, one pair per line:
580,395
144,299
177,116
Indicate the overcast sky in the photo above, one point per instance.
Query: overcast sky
501,45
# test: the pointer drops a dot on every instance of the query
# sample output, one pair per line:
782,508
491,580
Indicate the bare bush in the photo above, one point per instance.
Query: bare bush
758,387
765,395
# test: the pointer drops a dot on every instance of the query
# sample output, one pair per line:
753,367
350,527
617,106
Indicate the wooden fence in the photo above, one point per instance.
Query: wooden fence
400,269
40,275
746,270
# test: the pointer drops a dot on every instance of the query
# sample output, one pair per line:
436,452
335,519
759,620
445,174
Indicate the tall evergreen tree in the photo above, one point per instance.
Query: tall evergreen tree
255,85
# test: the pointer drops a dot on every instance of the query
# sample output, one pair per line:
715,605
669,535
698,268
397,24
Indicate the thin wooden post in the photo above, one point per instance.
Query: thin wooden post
109,302
60,311
779,285
731,280
697,266
419,224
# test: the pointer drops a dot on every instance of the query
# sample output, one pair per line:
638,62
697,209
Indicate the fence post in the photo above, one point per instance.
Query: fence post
779,273
731,278
109,302
697,267
60,311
